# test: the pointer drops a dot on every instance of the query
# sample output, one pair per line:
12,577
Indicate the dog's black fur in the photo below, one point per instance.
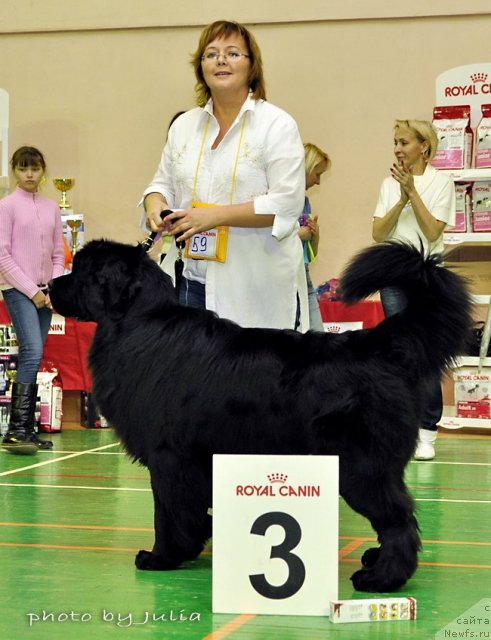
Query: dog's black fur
180,384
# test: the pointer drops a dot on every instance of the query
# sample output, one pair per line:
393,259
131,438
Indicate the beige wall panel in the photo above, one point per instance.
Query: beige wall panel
98,104
53,15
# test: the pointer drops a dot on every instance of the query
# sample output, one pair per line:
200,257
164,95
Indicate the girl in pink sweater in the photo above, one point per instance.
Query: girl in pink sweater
31,254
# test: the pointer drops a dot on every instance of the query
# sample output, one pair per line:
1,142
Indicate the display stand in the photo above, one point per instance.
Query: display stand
469,84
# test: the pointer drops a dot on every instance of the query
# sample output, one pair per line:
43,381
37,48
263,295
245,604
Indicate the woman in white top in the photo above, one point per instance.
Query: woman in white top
416,203
232,171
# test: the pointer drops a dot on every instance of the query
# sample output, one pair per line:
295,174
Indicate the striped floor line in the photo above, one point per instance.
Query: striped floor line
77,454
80,547
148,490
75,486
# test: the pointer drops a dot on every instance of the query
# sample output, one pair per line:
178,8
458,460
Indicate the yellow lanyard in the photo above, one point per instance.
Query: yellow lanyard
237,156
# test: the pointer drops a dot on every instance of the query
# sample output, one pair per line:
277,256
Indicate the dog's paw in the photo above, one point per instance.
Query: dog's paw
370,557
148,561
371,581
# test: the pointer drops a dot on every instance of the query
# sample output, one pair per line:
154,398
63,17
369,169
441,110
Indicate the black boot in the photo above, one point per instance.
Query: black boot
18,438
41,444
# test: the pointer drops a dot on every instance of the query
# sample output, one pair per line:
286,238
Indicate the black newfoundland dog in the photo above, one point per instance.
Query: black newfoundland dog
180,384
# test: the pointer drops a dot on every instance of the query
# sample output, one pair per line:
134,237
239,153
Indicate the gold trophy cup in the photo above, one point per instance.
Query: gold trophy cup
74,226
64,185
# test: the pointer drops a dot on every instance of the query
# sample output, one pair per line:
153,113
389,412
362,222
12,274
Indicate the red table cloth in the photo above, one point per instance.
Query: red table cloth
68,352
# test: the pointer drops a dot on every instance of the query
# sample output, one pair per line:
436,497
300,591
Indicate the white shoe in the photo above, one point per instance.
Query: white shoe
425,449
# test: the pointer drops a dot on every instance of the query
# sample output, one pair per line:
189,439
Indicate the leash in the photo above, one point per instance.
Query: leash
148,243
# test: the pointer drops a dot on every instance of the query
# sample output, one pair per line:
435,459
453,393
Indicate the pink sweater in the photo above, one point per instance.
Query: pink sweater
31,241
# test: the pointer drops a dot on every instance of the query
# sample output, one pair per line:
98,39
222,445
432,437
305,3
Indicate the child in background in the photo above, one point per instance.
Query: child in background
316,163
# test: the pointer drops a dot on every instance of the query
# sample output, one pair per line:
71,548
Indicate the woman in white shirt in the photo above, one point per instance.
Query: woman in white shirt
232,171
415,205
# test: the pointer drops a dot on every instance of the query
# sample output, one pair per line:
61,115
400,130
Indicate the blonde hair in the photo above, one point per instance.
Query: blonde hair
224,29
424,131
314,156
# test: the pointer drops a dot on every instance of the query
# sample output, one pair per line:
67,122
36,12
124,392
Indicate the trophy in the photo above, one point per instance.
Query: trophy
74,227
64,185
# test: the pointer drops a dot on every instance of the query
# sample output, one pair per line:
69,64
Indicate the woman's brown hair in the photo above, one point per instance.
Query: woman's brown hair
224,29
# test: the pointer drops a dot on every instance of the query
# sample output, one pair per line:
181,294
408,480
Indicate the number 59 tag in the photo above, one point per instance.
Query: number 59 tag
275,534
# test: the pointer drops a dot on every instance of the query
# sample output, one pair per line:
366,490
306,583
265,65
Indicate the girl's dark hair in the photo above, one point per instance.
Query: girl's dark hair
27,157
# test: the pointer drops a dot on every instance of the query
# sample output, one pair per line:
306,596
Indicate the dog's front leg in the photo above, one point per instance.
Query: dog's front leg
182,494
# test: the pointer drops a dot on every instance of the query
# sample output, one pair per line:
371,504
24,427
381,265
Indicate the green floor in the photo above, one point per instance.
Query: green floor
71,521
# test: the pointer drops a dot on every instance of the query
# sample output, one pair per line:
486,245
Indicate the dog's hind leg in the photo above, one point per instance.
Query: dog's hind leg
182,494
390,509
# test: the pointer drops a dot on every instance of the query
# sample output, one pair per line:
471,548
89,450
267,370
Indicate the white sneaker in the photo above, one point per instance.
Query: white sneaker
425,449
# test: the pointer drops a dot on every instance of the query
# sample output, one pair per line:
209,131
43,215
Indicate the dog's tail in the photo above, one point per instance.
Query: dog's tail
439,305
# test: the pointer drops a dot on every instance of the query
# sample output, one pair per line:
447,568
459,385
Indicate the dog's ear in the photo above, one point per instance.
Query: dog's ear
119,280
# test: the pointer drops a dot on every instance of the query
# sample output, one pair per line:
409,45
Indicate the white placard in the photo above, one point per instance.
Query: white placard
275,534
341,327
57,325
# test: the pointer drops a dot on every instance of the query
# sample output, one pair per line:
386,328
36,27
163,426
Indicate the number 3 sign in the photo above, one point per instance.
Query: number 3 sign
275,534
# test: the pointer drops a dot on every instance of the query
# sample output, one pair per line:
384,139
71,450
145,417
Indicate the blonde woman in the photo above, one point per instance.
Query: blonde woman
317,162
415,205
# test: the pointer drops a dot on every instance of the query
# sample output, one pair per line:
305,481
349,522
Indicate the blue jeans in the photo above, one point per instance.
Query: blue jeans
31,326
315,321
192,294
393,301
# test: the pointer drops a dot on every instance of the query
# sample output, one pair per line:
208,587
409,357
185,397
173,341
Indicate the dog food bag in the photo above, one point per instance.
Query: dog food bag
50,394
472,393
455,137
463,208
481,206
373,610
483,138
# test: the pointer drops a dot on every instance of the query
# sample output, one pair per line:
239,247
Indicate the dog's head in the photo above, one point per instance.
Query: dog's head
110,280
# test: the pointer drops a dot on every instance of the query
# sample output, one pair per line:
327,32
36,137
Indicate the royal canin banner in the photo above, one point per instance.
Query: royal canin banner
469,84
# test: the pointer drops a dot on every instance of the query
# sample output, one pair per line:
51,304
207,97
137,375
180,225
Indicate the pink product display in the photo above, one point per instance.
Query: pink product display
455,137
481,206
483,138
463,208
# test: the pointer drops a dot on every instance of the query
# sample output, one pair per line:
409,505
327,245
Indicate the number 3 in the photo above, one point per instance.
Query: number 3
296,573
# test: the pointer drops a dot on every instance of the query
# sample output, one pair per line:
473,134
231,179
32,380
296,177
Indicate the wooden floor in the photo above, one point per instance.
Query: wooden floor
72,520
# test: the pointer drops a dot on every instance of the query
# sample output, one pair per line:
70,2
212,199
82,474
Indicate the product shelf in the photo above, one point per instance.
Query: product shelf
450,421
483,237
471,175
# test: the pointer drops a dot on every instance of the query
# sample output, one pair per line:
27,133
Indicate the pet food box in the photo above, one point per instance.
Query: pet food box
8,373
463,208
481,206
455,137
483,138
472,393
50,397
373,610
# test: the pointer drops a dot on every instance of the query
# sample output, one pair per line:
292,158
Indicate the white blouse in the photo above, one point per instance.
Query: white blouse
437,192
258,284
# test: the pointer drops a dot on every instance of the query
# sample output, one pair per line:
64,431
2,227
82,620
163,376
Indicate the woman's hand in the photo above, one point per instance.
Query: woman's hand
186,222
40,300
313,225
405,178
305,233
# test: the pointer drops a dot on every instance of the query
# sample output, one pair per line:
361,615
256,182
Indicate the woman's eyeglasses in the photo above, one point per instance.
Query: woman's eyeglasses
231,56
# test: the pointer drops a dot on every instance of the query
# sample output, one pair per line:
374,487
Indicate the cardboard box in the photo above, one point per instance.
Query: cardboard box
373,610
473,261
